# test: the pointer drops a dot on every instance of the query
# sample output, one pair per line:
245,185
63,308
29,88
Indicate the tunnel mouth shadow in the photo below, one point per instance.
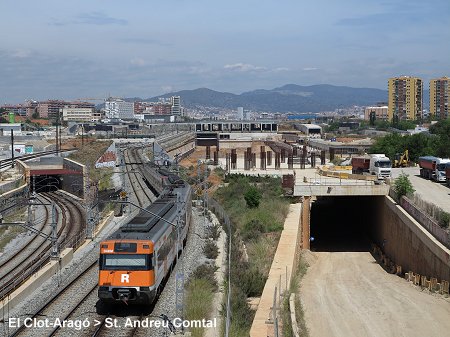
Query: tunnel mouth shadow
342,224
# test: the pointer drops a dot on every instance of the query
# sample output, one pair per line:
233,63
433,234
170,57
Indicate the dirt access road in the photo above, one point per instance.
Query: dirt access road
349,294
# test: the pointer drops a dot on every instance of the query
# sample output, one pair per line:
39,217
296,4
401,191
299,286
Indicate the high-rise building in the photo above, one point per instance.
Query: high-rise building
118,108
176,105
405,98
439,94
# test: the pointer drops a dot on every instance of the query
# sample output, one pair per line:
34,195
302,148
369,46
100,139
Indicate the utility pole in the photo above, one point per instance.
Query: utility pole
124,182
56,134
90,218
179,280
54,237
12,148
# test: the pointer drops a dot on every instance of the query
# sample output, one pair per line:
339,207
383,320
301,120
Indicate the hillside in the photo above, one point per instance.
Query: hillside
288,98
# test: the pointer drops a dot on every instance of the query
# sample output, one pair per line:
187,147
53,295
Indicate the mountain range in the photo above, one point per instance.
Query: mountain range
288,98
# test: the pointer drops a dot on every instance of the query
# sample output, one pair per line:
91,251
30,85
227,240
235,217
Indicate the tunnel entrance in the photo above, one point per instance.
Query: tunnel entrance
46,183
343,224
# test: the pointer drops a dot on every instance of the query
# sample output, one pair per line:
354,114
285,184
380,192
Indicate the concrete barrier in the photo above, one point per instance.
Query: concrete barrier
35,281
283,266
293,316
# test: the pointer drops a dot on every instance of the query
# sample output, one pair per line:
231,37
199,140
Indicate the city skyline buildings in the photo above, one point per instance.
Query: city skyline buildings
405,100
439,97
248,45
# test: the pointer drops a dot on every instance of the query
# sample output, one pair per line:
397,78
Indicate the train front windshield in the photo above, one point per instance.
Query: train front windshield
125,262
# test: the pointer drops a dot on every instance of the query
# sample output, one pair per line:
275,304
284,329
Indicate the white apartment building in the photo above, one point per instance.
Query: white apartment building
118,108
78,114
176,105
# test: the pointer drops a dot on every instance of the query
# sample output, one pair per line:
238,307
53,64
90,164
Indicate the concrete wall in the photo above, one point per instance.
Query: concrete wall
407,243
74,184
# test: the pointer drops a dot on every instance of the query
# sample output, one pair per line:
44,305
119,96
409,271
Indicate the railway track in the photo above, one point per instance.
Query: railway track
135,175
32,256
62,305
10,261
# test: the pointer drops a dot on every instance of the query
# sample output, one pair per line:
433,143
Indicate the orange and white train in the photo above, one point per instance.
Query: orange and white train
136,260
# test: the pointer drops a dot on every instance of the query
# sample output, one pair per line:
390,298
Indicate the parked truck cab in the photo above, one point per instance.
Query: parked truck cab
380,166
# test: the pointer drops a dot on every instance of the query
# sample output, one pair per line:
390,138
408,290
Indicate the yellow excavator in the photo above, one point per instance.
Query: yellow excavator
401,159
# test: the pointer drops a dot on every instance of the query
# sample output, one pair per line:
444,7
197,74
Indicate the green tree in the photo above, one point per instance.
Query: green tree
406,125
35,115
382,125
389,145
403,186
252,197
372,118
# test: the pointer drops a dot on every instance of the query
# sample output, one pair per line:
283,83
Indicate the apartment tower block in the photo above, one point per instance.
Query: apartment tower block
439,93
405,98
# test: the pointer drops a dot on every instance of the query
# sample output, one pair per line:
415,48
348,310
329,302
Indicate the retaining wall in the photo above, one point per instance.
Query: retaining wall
407,243
284,265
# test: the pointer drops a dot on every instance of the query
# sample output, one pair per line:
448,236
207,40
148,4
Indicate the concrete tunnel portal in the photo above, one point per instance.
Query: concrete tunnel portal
343,223
46,183
49,180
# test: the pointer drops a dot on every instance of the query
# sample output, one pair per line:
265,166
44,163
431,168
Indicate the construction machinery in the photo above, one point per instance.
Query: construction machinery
401,159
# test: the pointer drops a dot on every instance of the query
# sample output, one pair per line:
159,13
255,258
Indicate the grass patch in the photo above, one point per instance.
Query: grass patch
9,232
255,232
88,155
199,296
299,312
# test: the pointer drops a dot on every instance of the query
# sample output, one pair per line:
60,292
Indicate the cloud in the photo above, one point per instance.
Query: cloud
20,53
167,88
91,18
243,67
145,41
99,18
310,69
137,61
281,69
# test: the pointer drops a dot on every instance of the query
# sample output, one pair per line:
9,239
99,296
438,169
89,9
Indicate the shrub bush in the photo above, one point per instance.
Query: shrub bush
211,251
403,186
252,197
444,220
213,232
206,272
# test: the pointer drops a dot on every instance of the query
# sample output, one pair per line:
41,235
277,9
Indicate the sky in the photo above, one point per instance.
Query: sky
135,48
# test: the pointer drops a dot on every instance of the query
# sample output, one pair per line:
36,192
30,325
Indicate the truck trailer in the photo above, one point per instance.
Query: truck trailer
360,164
433,168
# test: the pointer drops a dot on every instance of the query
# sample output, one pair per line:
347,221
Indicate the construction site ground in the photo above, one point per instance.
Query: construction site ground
349,294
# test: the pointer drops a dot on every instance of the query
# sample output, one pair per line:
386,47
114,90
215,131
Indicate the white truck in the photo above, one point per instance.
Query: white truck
380,166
